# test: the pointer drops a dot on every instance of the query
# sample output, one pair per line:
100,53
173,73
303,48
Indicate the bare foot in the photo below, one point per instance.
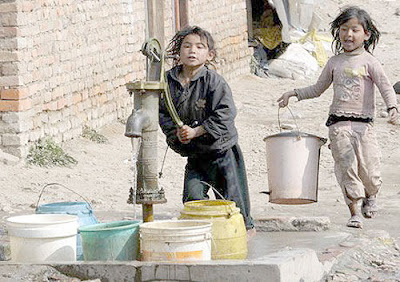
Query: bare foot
251,233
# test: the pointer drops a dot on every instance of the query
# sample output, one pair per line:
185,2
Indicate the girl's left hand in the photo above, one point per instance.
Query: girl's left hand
393,115
185,134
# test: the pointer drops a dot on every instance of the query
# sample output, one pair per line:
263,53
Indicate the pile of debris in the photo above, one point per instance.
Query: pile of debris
286,41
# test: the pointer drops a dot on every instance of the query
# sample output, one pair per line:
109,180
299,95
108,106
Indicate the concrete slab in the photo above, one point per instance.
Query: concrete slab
291,223
285,266
265,243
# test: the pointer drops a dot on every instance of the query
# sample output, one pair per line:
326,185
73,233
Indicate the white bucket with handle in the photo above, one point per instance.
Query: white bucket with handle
293,166
43,237
175,240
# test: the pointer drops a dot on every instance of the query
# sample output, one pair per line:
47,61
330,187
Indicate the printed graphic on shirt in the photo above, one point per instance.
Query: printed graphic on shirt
360,72
200,104
350,84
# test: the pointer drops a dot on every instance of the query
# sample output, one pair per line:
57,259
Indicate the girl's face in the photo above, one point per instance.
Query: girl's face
194,51
352,35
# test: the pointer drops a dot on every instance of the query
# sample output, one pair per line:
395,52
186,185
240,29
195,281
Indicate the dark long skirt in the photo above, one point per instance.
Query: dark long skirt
226,173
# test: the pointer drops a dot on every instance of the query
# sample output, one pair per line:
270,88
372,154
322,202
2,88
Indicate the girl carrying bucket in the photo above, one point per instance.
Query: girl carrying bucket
354,72
208,138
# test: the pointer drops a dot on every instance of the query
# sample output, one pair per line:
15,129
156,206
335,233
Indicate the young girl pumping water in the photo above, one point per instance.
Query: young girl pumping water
208,138
354,72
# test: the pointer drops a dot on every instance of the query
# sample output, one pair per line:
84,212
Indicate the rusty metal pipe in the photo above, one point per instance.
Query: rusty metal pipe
148,215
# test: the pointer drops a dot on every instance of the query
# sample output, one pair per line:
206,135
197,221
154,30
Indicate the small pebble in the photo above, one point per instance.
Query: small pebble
383,114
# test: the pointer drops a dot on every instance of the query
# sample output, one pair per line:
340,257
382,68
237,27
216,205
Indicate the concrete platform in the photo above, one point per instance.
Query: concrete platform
273,256
291,265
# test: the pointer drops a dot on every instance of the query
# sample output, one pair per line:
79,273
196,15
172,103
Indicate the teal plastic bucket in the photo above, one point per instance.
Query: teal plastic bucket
117,240
81,209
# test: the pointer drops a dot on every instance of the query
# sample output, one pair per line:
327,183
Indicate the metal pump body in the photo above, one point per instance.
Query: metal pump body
143,123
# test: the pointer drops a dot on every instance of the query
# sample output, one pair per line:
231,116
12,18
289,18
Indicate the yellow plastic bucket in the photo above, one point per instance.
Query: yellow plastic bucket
229,239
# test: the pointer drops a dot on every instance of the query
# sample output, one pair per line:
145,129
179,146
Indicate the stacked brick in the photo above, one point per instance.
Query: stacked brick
64,64
227,21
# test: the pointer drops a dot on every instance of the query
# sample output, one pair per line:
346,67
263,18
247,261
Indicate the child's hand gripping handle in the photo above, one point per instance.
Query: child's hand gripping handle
187,133
295,122
284,99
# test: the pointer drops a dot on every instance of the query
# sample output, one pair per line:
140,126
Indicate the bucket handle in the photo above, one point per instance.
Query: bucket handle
295,122
52,184
230,212
212,187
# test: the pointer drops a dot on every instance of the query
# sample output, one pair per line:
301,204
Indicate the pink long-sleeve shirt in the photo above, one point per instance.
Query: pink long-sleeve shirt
354,76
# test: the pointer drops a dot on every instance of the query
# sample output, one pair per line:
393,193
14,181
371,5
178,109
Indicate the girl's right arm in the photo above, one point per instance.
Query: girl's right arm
324,81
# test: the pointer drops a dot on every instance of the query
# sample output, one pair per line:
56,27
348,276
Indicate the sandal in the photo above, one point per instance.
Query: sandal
369,209
354,222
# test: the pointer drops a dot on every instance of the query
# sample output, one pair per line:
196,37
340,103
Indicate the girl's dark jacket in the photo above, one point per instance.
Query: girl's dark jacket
206,101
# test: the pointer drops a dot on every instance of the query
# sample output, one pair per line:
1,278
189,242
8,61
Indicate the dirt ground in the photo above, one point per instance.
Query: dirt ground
104,171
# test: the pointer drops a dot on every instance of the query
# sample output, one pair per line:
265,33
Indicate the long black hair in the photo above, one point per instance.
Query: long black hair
364,19
174,46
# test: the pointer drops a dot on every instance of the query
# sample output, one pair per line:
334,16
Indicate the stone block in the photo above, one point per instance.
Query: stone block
14,139
8,160
18,151
22,126
6,7
293,224
8,19
8,32
11,80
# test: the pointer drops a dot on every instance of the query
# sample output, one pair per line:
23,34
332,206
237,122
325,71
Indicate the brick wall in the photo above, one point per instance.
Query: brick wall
64,63
227,22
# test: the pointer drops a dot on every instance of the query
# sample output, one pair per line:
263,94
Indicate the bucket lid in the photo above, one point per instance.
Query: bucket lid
295,133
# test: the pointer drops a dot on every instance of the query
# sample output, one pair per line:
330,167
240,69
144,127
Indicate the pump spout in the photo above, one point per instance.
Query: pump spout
136,122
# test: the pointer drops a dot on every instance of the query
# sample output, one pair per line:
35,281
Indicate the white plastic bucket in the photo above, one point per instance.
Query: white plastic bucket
43,237
293,166
175,240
